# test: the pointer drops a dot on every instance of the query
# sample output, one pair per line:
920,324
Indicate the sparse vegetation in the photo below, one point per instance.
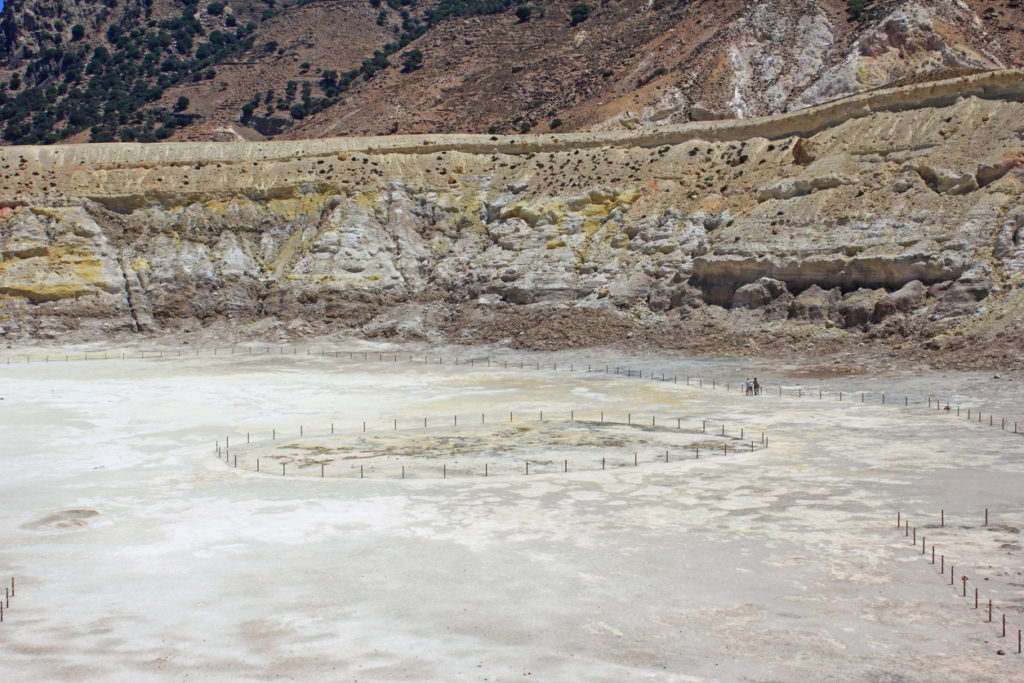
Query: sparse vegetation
660,71
106,89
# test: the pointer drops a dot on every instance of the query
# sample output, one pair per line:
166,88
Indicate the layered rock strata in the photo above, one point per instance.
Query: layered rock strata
896,208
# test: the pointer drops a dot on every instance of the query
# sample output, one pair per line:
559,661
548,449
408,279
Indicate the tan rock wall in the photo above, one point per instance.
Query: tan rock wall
907,184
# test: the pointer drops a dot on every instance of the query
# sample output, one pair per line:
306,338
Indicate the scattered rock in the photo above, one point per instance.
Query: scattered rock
802,186
804,151
945,181
62,520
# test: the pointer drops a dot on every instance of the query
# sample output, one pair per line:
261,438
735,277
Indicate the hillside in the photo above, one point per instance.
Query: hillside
151,70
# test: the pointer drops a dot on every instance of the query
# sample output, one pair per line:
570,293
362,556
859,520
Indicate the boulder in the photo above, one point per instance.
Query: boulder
994,170
906,299
813,304
856,308
960,297
758,294
686,296
945,181
752,295
778,309
804,151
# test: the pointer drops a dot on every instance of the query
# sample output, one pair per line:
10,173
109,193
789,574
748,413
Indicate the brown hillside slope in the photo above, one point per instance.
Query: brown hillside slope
631,63
650,63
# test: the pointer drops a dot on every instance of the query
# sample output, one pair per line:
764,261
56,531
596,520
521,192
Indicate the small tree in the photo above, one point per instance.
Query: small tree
181,104
412,60
579,13
215,8
523,13
77,32
248,109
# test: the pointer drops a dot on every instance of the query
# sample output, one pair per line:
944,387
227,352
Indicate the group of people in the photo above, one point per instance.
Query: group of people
752,388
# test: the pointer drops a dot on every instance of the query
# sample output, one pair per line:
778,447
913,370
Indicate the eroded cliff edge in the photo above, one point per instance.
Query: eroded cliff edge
895,215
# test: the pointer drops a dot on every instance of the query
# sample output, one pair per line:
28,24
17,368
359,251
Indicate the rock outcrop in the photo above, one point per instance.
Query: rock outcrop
380,235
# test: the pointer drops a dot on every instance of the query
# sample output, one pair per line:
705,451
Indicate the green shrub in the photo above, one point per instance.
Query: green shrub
859,10
374,64
579,12
412,60
523,13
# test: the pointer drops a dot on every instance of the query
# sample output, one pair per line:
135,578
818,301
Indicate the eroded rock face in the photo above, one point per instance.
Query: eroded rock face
899,45
961,297
368,234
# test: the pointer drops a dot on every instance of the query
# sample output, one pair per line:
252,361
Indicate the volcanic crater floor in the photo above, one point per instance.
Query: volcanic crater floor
450,542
